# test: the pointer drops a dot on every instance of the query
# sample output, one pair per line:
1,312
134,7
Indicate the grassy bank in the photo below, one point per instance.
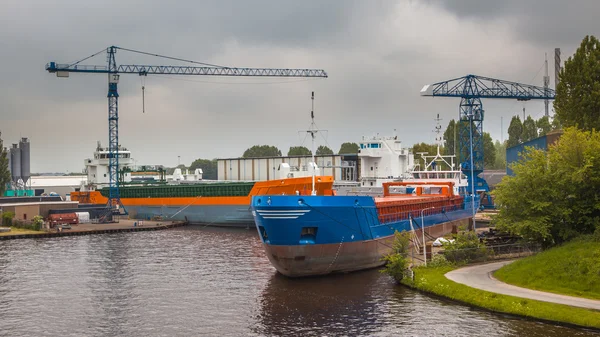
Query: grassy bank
571,269
16,231
432,280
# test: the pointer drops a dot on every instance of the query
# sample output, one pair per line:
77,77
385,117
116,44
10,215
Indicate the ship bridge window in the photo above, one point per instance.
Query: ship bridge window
362,146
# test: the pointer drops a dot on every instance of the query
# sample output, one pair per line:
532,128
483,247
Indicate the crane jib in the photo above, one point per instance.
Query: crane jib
63,70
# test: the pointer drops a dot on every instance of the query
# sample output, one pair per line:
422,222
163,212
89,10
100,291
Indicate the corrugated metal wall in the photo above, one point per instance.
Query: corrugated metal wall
258,169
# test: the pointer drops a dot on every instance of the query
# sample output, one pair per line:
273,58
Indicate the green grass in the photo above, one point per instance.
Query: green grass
18,231
571,269
432,280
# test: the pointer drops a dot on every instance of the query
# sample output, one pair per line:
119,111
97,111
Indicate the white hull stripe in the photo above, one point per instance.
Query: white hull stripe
283,211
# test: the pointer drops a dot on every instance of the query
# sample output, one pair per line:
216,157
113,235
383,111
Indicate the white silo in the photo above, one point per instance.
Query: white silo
9,160
15,161
24,146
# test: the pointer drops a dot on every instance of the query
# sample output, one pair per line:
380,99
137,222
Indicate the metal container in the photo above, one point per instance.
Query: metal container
24,145
15,162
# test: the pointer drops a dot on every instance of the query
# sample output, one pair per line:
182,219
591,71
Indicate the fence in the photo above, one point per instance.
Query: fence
491,252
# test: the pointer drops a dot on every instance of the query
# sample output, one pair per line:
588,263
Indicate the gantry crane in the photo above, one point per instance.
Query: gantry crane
471,89
113,70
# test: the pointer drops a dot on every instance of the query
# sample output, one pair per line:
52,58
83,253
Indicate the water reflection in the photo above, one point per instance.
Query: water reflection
214,282
324,305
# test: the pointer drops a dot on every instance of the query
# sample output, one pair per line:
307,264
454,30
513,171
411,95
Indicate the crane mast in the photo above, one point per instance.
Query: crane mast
471,89
113,72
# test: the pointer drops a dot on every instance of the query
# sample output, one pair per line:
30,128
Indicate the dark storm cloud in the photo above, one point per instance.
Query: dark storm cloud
556,23
378,55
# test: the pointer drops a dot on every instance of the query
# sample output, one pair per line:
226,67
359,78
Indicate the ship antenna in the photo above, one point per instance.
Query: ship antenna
439,139
312,132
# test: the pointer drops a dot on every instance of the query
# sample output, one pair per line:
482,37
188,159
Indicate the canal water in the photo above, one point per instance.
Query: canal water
215,282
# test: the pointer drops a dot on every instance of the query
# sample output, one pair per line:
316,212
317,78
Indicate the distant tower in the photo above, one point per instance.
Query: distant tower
557,66
24,146
15,161
546,85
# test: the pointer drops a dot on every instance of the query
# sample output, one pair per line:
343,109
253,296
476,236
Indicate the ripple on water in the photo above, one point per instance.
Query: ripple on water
203,281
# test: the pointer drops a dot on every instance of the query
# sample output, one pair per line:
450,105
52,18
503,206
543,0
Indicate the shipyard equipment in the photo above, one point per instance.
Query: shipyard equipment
471,89
114,71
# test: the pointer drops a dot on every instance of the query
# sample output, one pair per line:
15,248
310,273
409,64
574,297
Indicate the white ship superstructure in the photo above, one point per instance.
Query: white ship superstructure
97,168
382,159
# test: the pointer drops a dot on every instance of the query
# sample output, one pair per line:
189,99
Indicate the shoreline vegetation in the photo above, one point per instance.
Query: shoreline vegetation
432,280
570,269
467,249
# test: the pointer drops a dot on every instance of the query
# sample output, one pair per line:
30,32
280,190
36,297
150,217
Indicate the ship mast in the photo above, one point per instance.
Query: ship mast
312,132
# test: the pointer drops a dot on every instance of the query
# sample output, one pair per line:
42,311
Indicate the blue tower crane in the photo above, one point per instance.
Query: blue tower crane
471,89
113,71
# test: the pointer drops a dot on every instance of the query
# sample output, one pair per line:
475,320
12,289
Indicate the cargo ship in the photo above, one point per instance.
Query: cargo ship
317,235
187,197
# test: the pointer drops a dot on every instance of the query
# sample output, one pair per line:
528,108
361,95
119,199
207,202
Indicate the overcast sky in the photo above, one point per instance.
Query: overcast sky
378,55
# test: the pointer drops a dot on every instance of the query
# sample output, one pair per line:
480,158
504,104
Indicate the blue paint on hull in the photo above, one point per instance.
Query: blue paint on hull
213,215
347,218
315,235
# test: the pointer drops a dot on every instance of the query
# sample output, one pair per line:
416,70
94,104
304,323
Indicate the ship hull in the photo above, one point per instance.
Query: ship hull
315,260
186,203
312,235
210,215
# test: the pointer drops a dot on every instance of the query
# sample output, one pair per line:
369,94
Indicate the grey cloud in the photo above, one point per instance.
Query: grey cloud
549,23
378,55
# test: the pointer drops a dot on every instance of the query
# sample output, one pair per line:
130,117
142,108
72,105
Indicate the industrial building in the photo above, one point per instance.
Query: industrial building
25,211
513,154
341,167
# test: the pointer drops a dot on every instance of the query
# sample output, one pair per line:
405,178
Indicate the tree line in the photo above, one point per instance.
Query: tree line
553,195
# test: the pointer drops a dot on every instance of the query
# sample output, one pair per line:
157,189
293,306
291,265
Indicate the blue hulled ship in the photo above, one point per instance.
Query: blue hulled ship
317,235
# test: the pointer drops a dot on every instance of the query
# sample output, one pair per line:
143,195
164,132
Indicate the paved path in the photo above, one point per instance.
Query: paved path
480,277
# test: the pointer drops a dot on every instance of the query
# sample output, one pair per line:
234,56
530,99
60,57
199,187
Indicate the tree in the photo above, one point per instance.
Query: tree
552,196
5,177
489,151
397,262
262,151
348,148
171,170
323,150
515,131
500,162
577,101
529,130
427,149
450,146
298,151
209,168
543,126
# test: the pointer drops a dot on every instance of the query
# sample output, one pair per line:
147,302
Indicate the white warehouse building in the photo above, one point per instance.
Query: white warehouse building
341,167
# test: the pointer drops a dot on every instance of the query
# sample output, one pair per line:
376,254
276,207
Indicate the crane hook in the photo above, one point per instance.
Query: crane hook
143,83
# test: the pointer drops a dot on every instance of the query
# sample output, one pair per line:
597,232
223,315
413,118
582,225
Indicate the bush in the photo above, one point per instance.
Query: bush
397,262
466,248
596,235
7,218
38,222
438,261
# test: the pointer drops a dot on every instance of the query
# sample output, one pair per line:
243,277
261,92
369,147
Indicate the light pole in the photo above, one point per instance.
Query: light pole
423,234
472,174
